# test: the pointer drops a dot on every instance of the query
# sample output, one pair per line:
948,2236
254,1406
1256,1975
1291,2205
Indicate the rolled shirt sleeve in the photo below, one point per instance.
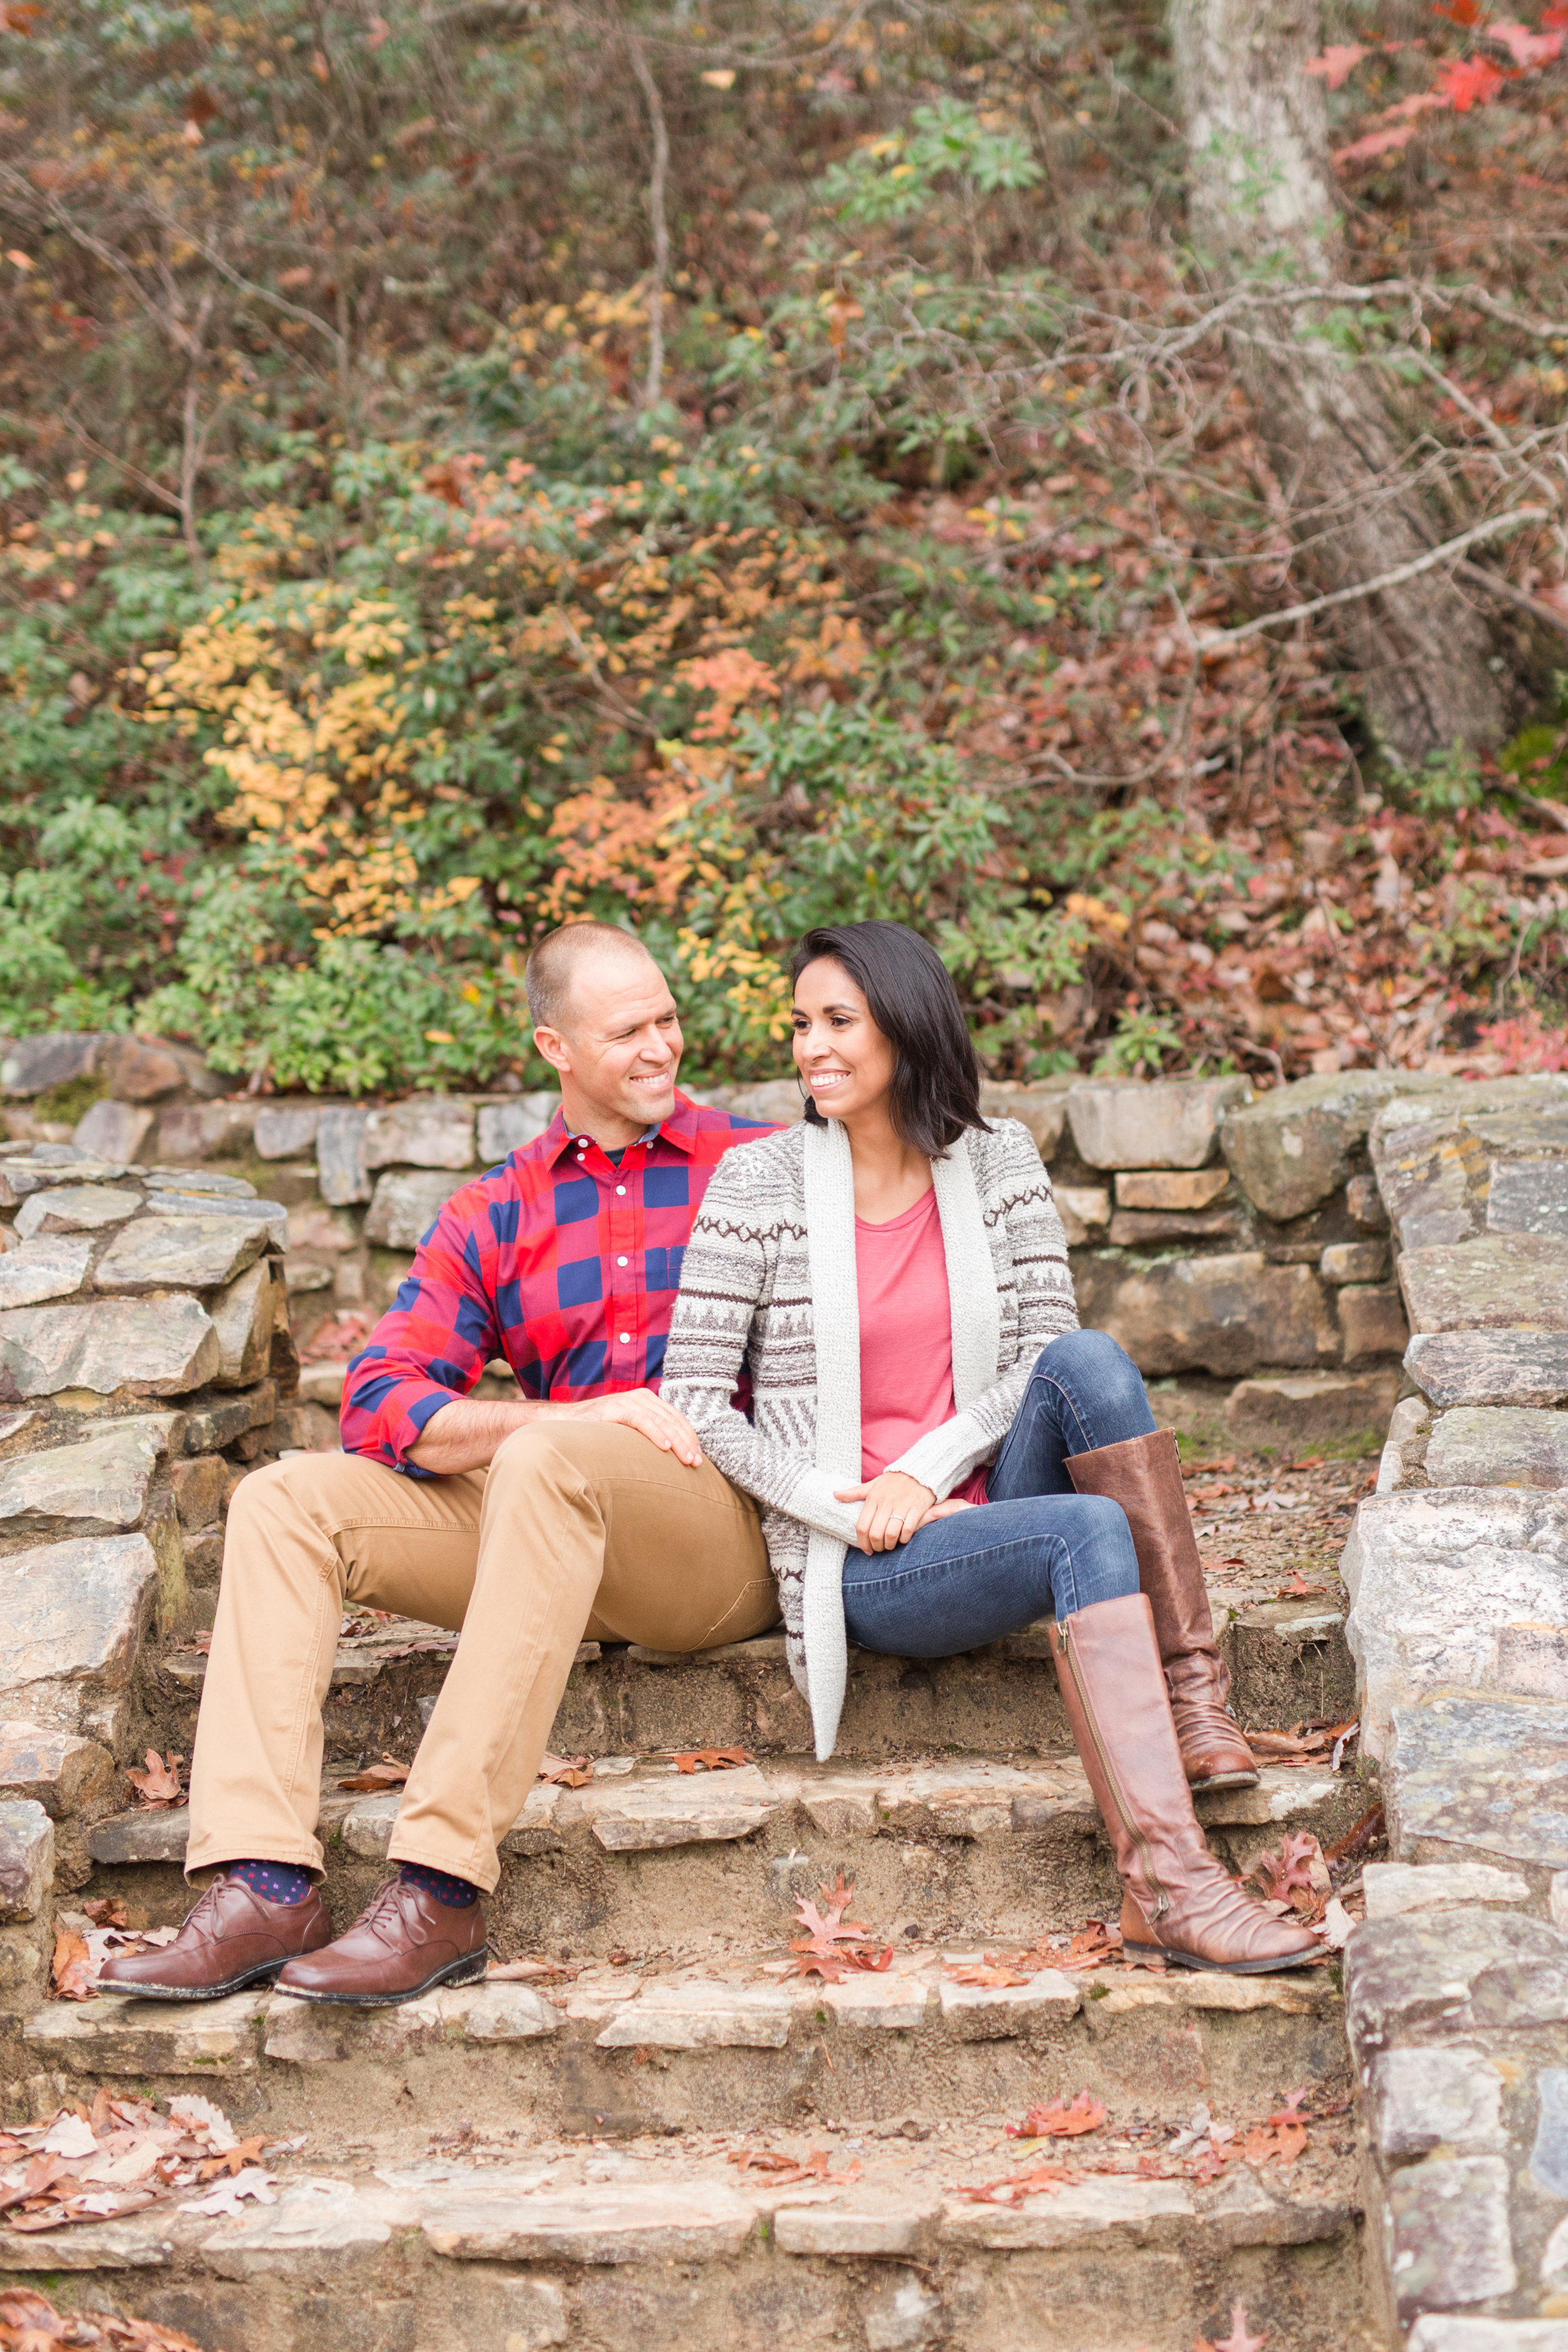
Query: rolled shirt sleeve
431,1345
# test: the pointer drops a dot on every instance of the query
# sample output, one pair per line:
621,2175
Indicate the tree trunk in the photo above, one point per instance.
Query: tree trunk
1263,206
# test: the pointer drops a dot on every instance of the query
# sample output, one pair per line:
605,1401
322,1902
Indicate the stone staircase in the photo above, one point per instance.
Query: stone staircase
649,2130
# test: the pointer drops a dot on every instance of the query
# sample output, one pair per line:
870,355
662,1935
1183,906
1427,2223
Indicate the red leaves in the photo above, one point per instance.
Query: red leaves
711,1759
566,1771
1337,62
1528,50
1059,2121
1464,83
159,1784
1040,2180
378,1777
1297,1869
833,1945
70,1972
784,2169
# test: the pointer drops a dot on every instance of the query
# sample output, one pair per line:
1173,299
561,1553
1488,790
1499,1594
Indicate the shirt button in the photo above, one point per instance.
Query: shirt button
620,1187
620,1261
625,1337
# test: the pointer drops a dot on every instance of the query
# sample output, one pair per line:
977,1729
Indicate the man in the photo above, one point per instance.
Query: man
586,1507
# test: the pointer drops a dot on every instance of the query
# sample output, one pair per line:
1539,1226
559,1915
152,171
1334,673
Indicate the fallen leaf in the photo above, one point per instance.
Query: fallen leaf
989,1972
833,1943
1040,2180
159,1784
1365,1832
783,2168
1238,2340
1337,1925
1059,2121
228,2196
201,2115
566,1771
520,1971
1298,1867
69,2135
711,1759
106,1911
388,1774
70,1972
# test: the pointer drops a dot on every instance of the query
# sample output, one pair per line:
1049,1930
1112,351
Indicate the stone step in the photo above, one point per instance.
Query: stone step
1481,1777
645,1854
718,2041
669,2242
1288,1663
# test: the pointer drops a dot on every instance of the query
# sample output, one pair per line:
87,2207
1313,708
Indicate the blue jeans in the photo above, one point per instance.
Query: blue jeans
1037,1549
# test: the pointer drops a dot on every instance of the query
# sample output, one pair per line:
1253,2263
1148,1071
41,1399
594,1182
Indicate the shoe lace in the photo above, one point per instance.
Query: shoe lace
199,1913
383,1915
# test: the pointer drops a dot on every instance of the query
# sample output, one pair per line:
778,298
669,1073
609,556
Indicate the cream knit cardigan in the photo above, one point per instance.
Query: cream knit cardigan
769,1280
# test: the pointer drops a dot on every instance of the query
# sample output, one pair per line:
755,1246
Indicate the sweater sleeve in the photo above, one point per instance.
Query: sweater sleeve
726,1279
1019,1196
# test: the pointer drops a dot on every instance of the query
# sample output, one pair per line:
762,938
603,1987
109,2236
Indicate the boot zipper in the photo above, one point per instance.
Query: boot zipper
1163,1902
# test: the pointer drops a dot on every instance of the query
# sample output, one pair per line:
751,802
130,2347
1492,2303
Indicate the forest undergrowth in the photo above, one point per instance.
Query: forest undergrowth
465,468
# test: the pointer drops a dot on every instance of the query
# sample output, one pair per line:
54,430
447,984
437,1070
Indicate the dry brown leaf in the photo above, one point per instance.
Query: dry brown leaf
566,1771
1040,2180
833,1945
106,1911
784,2169
70,1972
159,1784
378,1777
1059,2121
520,1971
711,1759
987,1972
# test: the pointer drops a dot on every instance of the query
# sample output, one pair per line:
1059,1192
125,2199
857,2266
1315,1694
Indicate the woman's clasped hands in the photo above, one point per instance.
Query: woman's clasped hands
894,1507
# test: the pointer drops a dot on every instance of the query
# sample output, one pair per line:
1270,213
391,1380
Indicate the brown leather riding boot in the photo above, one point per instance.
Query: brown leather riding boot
1177,1899
1144,1475
404,1943
232,1938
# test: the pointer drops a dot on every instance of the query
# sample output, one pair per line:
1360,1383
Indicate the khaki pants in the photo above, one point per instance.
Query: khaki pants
577,1528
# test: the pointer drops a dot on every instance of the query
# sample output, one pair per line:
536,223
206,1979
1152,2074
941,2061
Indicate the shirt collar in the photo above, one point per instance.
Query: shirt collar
679,1128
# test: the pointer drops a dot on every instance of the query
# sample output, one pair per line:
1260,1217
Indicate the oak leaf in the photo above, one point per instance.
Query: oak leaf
566,1771
389,1773
833,1943
159,1784
1060,2121
71,1970
711,1759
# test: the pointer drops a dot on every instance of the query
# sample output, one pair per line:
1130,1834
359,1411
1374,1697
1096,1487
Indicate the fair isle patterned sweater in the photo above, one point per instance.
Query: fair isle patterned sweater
769,1279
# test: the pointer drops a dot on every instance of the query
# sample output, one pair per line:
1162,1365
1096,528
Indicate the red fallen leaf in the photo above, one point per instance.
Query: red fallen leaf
41,2174
1090,1947
1299,1865
783,2168
1278,2141
1238,2340
1337,62
1061,2122
566,1771
1040,2180
1464,83
159,1784
388,1774
832,1943
71,1967
1298,1588
1365,1832
106,1911
711,1759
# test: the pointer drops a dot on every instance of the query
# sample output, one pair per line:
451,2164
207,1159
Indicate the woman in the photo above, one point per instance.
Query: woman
941,1456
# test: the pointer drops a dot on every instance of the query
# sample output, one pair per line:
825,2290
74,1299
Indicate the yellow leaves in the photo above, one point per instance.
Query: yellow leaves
733,678
1095,912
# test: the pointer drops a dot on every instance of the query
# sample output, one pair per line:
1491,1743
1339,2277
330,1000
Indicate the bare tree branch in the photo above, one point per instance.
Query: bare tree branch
652,389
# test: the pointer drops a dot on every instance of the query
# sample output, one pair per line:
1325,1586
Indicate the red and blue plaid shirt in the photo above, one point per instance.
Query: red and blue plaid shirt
559,1260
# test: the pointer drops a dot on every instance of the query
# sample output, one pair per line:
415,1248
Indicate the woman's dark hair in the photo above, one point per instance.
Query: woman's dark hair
909,990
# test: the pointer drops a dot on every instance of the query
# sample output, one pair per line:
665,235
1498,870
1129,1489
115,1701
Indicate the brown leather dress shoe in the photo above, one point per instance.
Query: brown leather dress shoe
234,1938
404,1943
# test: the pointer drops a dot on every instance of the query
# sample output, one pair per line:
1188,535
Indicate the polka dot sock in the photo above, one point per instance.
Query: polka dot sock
275,1882
456,1893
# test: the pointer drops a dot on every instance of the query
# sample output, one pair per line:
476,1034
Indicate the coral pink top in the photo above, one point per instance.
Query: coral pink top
906,1337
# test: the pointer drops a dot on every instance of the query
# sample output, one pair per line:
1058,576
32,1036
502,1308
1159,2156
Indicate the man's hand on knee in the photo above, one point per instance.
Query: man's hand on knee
639,1409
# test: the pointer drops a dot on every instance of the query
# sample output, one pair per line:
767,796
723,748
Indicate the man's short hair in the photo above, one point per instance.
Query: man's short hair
548,974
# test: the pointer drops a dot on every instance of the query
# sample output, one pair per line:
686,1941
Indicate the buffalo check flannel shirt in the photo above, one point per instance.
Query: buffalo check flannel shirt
559,1260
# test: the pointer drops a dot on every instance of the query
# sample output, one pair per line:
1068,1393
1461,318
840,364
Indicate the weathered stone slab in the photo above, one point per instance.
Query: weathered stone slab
688,2222
1446,1583
701,2017
1084,1210
1450,2241
27,1858
1188,1189
51,1266
1498,1445
147,1835
1549,2155
1149,1123
1137,1228
190,1250
114,1131
1498,1280
639,1816
286,1131
76,1208
1372,1322
997,2013
1420,2099
1355,1262
889,2004
173,1200
498,2012
405,1205
885,2227
1041,1107
425,1131
104,1480
1310,1409
339,1155
505,1126
1452,2332
1473,1778
242,1317
204,1184
32,1064
1439,1975
1291,1148
142,1069
1529,1196
1227,1314
159,1346
1506,1366
1364,1203
56,1769
1157,2212
1393,1888
213,1422
188,1131
75,1615
112,2035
